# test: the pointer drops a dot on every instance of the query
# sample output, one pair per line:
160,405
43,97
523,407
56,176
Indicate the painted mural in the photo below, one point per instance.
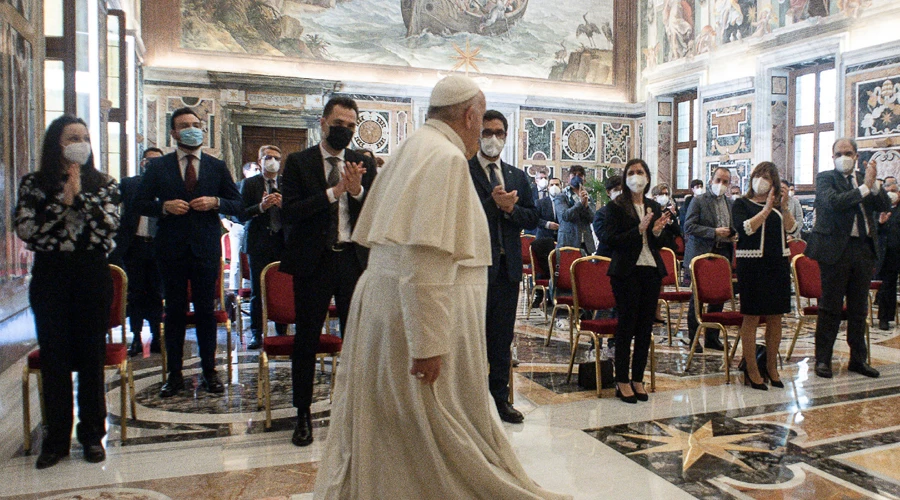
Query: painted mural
679,29
878,107
547,39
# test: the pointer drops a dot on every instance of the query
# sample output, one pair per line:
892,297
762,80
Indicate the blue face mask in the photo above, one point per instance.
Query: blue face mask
576,182
191,137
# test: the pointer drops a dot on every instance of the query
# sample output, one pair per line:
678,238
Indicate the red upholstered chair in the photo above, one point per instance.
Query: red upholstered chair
221,315
808,284
525,241
116,359
542,284
796,246
278,306
667,297
712,284
560,263
874,287
242,294
679,250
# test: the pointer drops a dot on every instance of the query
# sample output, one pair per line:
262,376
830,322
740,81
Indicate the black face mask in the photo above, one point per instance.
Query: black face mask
339,137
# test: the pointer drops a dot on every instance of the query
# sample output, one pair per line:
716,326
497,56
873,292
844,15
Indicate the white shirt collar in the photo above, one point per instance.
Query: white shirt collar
182,153
326,154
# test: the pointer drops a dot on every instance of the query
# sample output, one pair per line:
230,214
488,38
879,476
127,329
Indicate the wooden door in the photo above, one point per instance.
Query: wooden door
290,140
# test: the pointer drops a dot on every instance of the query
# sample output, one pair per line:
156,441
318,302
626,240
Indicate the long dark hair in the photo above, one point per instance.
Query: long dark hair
763,168
51,174
624,200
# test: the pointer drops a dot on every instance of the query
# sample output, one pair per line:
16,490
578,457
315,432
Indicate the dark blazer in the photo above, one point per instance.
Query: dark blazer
889,241
599,226
128,222
546,214
625,241
523,216
195,232
837,202
305,208
256,223
700,225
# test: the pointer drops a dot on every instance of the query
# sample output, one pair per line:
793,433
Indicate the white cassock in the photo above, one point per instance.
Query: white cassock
423,294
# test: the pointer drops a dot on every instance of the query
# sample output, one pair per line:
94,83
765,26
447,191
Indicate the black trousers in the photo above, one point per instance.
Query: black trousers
636,298
711,334
70,294
502,301
336,277
202,274
259,258
144,288
887,294
850,277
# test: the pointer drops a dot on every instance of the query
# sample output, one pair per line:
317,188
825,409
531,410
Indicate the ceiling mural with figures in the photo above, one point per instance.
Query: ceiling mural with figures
544,39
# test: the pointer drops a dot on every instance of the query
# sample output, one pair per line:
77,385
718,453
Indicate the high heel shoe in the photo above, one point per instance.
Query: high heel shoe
749,381
641,396
627,399
776,383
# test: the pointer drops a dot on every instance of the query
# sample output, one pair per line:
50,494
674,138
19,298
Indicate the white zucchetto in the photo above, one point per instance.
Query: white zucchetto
453,89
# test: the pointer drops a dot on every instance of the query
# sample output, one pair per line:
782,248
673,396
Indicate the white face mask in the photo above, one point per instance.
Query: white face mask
662,199
272,165
761,186
893,196
554,190
614,194
698,190
844,164
541,183
78,152
717,189
636,183
791,193
492,146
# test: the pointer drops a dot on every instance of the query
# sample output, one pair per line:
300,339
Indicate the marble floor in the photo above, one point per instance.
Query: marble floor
697,437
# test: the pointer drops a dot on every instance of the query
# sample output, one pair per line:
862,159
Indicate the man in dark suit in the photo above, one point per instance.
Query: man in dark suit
187,190
613,187
134,252
548,224
707,228
842,242
263,232
498,184
888,256
324,189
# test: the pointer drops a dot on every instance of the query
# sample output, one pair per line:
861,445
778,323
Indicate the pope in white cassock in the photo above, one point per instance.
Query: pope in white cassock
412,416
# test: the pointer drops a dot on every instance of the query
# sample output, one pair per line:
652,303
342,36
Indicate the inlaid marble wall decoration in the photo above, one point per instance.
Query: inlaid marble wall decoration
205,108
887,161
639,151
664,153
740,171
539,135
728,130
403,125
878,107
373,132
579,141
779,134
152,134
616,137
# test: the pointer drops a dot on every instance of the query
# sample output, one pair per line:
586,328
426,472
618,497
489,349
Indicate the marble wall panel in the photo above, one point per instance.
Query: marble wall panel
779,133
664,164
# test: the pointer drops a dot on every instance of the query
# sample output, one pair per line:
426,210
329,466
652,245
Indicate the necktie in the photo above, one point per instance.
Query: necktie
190,175
334,176
274,211
495,181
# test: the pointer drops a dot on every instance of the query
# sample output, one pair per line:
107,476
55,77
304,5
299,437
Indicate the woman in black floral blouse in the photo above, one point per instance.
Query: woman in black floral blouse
67,214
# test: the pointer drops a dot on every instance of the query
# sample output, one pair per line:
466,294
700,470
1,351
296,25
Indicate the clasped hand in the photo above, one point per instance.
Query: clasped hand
351,179
271,199
657,226
181,207
505,201
73,184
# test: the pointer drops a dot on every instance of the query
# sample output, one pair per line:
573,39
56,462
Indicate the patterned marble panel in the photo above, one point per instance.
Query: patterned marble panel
373,132
616,137
579,141
878,109
887,160
779,133
664,164
152,124
539,135
728,130
881,461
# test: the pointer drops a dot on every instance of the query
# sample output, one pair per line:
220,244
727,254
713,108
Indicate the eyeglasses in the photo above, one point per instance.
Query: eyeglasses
488,133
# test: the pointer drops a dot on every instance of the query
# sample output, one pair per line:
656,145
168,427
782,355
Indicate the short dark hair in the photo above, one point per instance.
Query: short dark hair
577,169
553,179
344,102
721,168
851,141
695,183
787,183
493,114
152,150
613,182
181,111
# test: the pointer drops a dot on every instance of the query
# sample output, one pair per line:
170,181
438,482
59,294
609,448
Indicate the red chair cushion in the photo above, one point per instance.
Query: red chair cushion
115,354
279,345
592,284
34,360
566,300
682,296
712,279
726,318
809,282
244,293
544,283
876,285
332,310
600,326
526,271
329,344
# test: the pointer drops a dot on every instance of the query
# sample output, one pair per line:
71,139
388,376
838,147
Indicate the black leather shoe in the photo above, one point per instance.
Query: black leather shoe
136,348
210,383
863,369
49,459
173,384
823,370
697,350
884,324
714,344
626,399
94,453
255,341
303,431
508,413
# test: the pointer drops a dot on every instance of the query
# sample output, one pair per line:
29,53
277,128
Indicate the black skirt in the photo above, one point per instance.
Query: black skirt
764,285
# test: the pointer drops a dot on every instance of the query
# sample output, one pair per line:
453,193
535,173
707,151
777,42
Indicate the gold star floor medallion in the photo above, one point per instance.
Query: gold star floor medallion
467,58
693,445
